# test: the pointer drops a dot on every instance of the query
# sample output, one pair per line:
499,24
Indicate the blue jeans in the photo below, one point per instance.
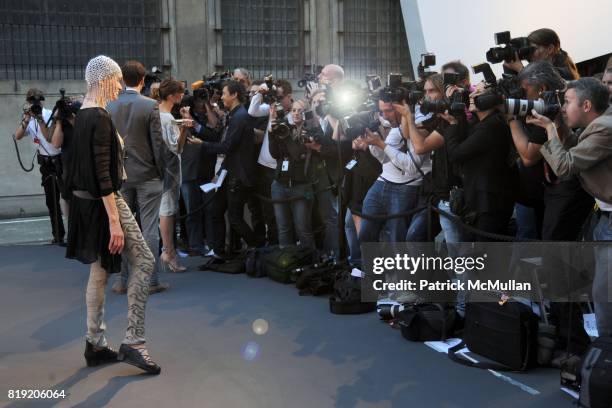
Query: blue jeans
352,239
192,195
296,214
526,222
453,233
602,283
386,198
417,230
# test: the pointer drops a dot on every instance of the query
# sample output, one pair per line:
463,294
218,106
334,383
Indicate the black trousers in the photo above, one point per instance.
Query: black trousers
50,170
237,196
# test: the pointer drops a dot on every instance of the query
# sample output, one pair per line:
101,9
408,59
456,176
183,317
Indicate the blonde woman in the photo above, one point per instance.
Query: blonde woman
101,225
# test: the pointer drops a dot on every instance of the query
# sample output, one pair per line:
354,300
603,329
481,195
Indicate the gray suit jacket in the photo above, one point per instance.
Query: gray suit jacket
136,118
590,159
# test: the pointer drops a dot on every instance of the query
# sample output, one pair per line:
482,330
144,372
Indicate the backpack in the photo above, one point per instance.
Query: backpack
280,263
254,264
596,375
347,295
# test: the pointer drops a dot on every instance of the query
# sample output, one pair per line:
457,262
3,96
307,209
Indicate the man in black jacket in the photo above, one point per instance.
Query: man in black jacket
238,146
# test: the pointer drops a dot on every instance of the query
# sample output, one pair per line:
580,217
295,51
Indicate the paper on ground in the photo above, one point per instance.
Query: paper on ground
590,324
443,346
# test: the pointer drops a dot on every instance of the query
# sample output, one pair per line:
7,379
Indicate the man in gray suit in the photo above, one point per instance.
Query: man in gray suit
136,118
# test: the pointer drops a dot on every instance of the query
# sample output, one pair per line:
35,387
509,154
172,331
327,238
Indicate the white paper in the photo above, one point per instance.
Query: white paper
357,273
443,346
590,324
215,184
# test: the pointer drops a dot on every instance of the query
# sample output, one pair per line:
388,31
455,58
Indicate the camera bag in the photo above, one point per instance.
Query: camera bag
505,332
347,295
254,264
280,263
427,321
596,375
317,279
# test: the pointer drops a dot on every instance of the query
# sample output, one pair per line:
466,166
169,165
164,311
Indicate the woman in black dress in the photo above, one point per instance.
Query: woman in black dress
101,225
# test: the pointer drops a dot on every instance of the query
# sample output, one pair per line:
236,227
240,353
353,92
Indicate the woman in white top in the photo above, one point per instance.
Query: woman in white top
174,134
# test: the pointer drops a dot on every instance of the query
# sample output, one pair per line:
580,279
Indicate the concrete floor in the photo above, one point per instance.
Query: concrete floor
201,333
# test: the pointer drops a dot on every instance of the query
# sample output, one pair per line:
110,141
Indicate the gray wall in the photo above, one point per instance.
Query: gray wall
192,47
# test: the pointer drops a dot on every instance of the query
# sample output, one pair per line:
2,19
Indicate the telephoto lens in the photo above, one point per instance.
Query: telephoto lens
388,309
523,107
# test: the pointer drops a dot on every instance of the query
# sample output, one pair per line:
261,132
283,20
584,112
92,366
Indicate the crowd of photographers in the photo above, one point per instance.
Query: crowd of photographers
534,146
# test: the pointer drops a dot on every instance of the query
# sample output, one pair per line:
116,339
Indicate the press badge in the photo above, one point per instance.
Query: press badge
285,166
351,164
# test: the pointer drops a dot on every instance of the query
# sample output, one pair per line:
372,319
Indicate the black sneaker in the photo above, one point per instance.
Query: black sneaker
138,357
95,357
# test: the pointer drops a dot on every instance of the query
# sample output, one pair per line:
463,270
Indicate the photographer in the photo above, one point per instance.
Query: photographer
198,167
237,145
293,177
547,47
560,196
63,131
482,149
266,163
397,188
586,105
34,124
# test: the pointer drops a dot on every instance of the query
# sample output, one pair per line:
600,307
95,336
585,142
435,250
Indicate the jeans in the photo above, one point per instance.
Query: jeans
352,239
526,222
145,198
264,183
602,287
386,198
193,198
417,230
453,233
294,214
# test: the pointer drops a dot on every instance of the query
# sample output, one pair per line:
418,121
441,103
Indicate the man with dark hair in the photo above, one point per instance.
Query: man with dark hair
237,144
587,106
34,124
137,120
607,80
457,67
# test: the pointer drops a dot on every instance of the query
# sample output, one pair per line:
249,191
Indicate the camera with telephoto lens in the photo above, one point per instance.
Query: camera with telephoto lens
280,127
214,82
388,309
455,104
548,105
508,48
355,125
65,107
507,87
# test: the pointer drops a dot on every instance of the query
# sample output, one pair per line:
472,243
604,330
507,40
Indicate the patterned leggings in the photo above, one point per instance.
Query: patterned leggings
142,263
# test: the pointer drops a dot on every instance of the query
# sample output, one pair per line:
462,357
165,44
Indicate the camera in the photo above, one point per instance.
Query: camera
397,91
455,104
311,74
213,83
507,48
34,107
388,309
150,78
548,105
427,60
65,107
507,87
280,127
356,124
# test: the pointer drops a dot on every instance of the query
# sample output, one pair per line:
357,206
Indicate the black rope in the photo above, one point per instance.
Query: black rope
293,198
19,157
384,217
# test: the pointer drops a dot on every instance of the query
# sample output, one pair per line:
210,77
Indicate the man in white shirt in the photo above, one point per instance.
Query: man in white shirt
397,188
35,123
266,164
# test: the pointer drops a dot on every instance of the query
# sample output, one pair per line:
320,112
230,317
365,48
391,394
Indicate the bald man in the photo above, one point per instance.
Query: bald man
331,75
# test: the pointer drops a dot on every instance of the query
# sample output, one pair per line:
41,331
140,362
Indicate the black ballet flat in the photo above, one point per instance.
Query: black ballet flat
138,357
95,358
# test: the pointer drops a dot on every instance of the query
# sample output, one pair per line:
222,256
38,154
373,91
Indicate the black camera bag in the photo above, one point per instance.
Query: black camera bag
347,295
505,333
427,321
280,263
596,375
